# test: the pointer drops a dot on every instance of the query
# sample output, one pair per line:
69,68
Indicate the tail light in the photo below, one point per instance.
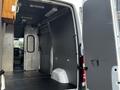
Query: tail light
82,71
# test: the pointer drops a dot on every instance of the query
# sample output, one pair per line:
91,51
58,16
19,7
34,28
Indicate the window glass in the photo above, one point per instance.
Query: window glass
19,43
117,2
81,14
30,43
118,5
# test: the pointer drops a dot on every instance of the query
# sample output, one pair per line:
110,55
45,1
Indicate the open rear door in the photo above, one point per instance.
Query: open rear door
99,44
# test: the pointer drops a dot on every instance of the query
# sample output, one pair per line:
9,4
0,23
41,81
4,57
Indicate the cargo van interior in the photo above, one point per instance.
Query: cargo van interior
40,48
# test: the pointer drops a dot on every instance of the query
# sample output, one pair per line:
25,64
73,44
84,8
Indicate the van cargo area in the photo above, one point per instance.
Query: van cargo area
40,50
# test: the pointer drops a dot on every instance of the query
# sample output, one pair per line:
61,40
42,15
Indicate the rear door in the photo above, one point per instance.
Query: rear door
99,44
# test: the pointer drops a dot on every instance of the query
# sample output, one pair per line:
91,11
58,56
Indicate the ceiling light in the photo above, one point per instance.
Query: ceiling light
51,12
28,18
37,6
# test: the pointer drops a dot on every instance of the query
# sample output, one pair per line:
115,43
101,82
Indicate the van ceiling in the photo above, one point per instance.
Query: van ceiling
32,13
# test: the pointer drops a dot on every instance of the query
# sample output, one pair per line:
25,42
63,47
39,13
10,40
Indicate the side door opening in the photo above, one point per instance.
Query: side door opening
18,54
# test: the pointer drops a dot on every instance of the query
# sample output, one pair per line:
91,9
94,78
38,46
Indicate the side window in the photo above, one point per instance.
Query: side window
118,9
30,43
115,5
81,14
117,2
118,5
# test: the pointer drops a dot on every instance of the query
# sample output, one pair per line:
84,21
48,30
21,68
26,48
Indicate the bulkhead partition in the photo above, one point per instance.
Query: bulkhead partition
31,49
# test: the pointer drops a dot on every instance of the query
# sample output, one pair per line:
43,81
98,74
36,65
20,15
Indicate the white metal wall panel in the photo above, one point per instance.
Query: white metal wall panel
7,62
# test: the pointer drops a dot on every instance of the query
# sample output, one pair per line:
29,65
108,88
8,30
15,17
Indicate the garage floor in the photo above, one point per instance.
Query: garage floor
33,80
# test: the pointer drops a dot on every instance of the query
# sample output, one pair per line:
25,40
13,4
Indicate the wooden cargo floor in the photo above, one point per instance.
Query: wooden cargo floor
33,80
